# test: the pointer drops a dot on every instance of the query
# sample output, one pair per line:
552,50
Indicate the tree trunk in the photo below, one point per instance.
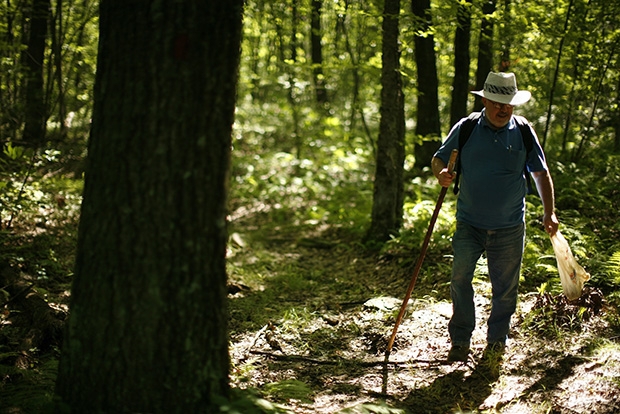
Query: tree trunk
57,36
342,32
428,127
505,34
293,98
387,208
579,152
288,62
485,50
147,330
556,74
460,84
317,53
616,120
35,108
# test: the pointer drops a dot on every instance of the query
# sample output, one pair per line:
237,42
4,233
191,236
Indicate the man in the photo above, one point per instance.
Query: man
491,209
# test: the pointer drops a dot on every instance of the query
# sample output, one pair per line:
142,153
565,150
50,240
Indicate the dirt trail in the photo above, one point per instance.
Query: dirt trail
333,360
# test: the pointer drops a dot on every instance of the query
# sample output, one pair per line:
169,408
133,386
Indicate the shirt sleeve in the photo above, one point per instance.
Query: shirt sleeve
451,142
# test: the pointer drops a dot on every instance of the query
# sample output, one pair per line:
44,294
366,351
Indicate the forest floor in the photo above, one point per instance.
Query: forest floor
311,314
311,310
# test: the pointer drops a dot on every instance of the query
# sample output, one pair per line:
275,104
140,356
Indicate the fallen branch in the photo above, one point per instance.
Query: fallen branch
341,361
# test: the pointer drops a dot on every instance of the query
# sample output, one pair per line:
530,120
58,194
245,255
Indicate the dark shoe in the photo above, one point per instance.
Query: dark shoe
458,353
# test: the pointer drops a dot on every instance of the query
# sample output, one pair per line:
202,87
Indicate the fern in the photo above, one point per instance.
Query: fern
613,267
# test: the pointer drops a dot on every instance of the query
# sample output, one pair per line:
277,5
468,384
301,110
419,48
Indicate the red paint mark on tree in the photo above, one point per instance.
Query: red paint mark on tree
181,47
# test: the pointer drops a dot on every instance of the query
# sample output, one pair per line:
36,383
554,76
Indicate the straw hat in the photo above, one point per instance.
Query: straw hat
502,87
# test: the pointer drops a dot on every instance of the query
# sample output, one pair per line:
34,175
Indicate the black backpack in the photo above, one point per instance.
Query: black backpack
465,132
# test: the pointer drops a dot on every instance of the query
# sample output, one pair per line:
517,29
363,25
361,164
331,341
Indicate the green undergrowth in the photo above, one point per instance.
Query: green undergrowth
40,203
321,221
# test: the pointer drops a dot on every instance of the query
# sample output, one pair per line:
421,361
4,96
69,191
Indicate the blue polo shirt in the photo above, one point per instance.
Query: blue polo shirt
492,185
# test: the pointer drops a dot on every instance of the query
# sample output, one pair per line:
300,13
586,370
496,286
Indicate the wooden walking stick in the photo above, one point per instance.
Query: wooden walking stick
418,265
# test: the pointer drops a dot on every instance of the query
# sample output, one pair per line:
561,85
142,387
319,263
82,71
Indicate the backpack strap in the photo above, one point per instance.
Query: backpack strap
465,130
528,142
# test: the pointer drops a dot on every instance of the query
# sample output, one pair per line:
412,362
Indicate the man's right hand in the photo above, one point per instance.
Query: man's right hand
440,170
445,177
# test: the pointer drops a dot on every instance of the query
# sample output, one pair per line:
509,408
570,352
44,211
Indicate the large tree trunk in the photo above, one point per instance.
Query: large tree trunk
428,126
485,49
147,330
460,83
387,208
35,108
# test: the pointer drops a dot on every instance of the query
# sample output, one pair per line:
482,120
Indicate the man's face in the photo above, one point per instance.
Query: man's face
498,114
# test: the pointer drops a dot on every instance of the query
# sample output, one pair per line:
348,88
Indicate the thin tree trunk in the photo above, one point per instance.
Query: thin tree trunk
292,98
356,107
581,148
460,83
8,120
428,126
316,36
556,73
35,108
289,68
387,208
485,49
506,37
576,75
57,41
254,40
616,121
147,331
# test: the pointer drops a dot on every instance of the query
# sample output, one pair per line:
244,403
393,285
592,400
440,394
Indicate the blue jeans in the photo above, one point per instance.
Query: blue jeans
504,250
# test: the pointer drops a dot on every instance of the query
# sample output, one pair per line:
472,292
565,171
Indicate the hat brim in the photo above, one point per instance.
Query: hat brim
519,98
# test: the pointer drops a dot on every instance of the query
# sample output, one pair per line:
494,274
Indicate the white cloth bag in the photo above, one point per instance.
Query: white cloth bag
572,275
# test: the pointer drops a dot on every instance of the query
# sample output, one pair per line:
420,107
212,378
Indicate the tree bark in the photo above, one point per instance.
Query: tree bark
485,50
556,74
342,32
57,37
147,330
460,83
505,35
616,119
35,108
317,53
428,126
288,62
387,208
